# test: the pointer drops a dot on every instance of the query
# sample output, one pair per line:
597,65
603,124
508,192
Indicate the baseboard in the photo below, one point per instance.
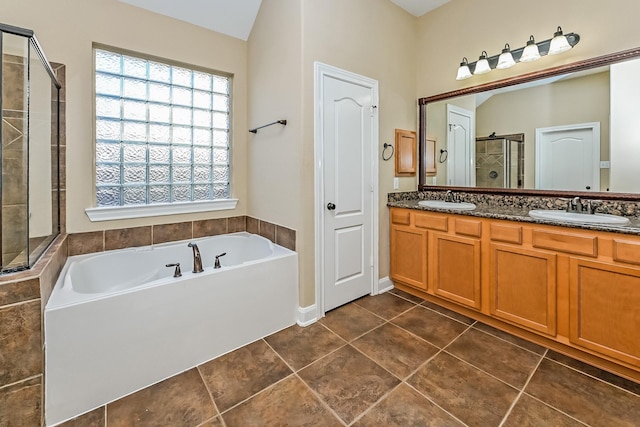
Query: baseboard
307,315
384,285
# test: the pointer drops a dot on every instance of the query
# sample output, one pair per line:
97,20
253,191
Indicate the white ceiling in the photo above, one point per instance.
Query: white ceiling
235,18
419,7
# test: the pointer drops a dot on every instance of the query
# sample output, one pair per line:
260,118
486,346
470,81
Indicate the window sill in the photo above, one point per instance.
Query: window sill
160,209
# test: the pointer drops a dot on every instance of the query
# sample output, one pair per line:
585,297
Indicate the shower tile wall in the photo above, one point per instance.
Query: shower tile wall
14,161
23,295
490,164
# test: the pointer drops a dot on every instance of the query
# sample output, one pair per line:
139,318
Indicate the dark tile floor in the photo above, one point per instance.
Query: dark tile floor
388,360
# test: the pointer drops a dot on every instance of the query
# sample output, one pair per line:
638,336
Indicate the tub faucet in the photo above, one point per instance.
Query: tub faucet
197,260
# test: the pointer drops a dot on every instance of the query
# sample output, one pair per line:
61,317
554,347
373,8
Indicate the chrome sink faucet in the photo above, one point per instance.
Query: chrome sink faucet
575,205
197,259
449,196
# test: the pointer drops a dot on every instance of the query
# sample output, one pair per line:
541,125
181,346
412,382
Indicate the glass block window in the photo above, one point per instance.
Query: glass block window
162,132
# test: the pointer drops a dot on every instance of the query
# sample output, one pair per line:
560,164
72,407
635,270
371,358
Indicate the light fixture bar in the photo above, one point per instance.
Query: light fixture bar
543,47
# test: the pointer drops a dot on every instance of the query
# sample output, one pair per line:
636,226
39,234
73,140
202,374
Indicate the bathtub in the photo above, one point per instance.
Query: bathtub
118,321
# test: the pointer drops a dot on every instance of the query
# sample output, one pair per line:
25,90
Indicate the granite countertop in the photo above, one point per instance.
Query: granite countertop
517,213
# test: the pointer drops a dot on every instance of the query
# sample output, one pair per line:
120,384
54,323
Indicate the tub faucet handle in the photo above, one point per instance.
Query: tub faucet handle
217,262
177,272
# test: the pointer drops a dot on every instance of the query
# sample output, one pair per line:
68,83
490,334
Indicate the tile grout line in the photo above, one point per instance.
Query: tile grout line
509,342
473,321
555,409
213,401
521,392
594,377
321,399
440,350
254,395
295,373
436,404
376,403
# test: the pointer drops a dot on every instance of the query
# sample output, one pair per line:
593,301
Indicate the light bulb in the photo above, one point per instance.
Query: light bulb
482,66
506,59
530,52
559,43
463,71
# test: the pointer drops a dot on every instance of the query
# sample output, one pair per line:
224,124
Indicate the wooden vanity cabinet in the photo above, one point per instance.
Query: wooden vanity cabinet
408,250
604,308
522,287
575,291
456,269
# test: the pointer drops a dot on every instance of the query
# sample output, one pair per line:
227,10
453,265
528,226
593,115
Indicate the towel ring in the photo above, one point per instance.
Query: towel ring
443,156
384,149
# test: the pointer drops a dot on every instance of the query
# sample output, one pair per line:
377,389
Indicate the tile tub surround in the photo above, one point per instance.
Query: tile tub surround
516,208
105,240
382,370
23,296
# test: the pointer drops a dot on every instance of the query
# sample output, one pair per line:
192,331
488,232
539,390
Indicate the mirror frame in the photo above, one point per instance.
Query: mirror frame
586,64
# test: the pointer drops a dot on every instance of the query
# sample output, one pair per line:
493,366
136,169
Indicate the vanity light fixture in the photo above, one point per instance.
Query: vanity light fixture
463,71
531,52
482,66
508,58
559,43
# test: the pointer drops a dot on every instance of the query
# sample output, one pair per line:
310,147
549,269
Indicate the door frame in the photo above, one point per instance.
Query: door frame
320,72
595,131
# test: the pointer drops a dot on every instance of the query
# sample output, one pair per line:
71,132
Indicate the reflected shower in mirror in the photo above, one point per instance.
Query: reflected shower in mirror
570,128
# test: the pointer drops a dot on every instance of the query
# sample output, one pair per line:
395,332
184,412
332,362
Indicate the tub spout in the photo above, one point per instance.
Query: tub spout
197,260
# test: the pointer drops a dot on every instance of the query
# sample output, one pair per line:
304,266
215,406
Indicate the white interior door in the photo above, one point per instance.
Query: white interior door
568,157
460,146
347,132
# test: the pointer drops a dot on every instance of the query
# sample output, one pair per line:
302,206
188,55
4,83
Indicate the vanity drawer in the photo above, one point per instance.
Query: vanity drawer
626,251
401,217
468,227
433,222
565,242
506,233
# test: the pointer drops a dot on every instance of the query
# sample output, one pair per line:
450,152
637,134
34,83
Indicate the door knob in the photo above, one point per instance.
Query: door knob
588,187
331,206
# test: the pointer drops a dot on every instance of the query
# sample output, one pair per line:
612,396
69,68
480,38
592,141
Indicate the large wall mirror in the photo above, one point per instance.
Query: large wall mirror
571,129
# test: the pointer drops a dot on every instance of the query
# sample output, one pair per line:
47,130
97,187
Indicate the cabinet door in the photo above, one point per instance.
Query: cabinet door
409,256
604,309
456,274
522,287
406,164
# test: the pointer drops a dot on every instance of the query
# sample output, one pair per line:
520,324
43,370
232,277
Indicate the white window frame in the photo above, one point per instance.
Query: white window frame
105,213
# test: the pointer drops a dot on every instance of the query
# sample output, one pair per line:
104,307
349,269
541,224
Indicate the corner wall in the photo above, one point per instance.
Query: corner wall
374,38
66,31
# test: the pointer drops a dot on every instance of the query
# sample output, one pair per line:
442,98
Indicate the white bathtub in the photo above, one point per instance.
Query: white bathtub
119,321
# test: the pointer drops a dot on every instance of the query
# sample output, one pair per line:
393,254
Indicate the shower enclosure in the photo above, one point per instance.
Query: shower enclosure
29,184
500,161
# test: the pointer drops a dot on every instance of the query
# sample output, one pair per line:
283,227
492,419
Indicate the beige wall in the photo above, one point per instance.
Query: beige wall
274,154
374,38
550,105
452,31
66,32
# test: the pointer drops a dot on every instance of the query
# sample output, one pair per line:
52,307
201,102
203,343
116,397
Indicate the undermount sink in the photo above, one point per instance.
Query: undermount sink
579,218
441,204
